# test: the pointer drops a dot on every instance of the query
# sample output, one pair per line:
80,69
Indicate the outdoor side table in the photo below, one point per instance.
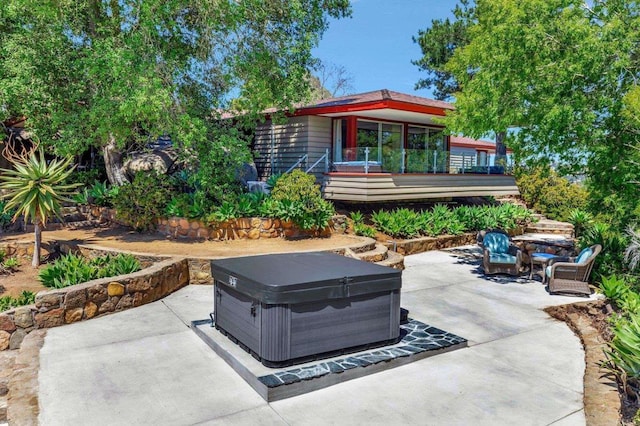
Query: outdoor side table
543,260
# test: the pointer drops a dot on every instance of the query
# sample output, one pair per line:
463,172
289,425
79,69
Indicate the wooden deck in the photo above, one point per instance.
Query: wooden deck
373,187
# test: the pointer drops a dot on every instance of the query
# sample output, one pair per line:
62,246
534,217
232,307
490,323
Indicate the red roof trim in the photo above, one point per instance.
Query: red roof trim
371,106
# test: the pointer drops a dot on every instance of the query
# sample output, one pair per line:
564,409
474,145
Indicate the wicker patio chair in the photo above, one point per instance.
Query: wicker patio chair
571,276
499,255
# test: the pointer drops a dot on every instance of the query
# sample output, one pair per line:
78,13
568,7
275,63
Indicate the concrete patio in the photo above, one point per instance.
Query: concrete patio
145,366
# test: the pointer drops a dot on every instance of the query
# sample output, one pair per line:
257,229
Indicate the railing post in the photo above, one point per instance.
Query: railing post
435,161
402,161
326,160
366,160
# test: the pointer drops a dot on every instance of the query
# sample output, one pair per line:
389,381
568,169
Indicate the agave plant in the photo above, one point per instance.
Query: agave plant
37,189
624,355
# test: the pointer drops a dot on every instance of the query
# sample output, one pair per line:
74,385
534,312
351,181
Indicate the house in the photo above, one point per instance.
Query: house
467,153
375,146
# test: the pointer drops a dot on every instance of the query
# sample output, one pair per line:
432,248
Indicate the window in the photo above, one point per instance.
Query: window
339,139
384,143
426,150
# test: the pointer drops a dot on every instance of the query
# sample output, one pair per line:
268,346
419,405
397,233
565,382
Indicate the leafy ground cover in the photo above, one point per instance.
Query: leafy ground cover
440,220
72,269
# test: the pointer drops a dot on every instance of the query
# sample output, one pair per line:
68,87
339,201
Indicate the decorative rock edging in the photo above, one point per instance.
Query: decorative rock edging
422,244
601,399
84,301
22,407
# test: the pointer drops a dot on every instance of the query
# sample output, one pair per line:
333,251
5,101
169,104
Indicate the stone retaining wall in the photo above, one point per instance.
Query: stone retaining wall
422,244
251,228
95,298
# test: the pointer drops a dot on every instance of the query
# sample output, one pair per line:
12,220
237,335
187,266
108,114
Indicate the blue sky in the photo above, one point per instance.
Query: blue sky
375,44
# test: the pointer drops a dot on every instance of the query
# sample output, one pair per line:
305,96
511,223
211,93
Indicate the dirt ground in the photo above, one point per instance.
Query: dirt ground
156,244
26,278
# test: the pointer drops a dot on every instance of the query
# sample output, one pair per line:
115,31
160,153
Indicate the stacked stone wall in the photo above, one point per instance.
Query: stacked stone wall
252,228
95,298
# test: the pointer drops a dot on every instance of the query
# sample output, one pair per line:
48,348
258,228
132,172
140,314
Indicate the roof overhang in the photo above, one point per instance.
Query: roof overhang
383,110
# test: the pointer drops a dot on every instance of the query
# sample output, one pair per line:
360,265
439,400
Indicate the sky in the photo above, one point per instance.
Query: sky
375,45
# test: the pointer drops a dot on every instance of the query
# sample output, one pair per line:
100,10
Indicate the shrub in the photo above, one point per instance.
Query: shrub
550,194
144,200
364,230
581,221
357,217
296,186
72,269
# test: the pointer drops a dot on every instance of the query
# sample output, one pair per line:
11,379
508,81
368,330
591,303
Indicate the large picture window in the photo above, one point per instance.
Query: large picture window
426,150
384,142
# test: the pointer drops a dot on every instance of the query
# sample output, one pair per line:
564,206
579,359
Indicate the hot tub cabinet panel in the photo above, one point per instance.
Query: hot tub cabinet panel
337,304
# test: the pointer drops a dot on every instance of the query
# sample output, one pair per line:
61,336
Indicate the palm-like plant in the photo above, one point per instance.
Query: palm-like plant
36,189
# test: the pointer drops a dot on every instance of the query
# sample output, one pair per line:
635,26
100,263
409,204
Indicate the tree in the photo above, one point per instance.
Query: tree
438,44
116,74
36,189
330,80
562,73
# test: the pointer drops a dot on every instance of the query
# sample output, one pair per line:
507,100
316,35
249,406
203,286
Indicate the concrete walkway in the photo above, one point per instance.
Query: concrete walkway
145,366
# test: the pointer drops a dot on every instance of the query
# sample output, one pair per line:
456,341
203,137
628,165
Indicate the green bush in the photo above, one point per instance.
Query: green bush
581,221
296,186
550,194
25,298
405,223
144,200
72,269
364,230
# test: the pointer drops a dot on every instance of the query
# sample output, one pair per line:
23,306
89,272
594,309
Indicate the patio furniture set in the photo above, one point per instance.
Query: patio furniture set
562,275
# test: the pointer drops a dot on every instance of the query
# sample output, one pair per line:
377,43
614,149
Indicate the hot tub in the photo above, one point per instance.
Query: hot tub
289,308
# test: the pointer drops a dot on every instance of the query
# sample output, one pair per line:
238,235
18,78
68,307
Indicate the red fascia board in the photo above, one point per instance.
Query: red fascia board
369,106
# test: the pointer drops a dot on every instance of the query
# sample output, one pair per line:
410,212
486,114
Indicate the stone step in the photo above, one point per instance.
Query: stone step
378,254
546,226
546,223
367,245
393,260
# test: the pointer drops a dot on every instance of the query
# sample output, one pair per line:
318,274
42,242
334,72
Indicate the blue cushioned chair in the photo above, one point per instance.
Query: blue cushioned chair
500,256
571,275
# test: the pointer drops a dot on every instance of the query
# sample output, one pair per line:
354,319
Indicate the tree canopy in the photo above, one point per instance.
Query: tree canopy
438,43
124,72
560,76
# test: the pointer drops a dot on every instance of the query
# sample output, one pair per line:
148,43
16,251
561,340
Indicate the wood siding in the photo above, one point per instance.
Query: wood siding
388,187
309,135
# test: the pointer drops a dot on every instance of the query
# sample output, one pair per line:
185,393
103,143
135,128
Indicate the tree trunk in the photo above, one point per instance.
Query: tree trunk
501,149
38,242
113,163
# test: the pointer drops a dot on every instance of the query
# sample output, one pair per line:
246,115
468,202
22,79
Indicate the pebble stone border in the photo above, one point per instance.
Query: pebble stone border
419,338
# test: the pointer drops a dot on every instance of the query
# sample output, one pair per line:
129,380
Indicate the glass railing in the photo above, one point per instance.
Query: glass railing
421,161
374,160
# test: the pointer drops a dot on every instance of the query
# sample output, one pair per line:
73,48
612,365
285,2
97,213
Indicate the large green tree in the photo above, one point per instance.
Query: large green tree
438,44
115,74
562,74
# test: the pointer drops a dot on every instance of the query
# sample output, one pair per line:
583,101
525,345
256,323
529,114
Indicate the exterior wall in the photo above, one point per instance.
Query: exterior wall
309,135
458,154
